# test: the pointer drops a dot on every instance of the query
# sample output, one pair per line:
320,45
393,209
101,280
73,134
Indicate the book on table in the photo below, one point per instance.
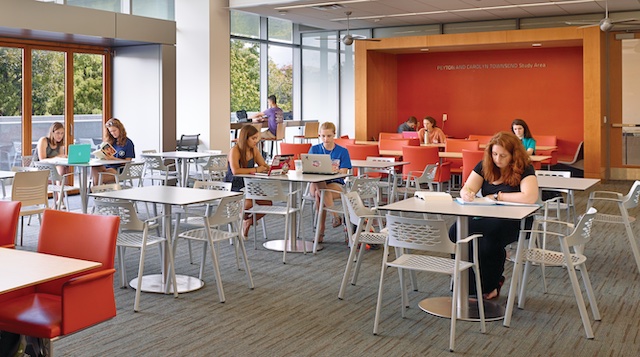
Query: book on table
486,201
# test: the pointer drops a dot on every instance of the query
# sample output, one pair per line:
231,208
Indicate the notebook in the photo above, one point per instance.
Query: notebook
79,154
317,164
279,166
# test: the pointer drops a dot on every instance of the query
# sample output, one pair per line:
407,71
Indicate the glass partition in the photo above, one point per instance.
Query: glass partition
47,93
320,73
245,24
87,98
280,76
245,76
108,5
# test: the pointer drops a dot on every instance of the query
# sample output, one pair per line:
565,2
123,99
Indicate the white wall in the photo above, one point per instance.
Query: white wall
203,78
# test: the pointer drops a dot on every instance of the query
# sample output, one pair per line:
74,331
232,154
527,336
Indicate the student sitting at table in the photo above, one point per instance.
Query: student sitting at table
409,125
433,135
327,134
52,146
245,158
521,129
115,135
504,174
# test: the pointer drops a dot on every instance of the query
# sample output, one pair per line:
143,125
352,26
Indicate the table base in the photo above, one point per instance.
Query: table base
154,284
441,306
278,245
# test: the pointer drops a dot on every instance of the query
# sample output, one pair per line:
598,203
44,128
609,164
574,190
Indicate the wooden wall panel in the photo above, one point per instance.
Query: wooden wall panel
594,99
615,100
382,93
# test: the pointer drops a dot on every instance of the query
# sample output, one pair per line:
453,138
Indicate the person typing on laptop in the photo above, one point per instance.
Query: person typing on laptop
327,134
245,158
115,135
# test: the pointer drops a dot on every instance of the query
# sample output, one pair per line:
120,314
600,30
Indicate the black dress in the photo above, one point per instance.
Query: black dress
497,233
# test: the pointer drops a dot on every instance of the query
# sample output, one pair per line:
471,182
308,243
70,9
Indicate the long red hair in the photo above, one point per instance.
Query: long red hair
512,174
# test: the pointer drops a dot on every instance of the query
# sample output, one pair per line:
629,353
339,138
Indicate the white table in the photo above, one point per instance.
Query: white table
182,157
441,306
4,175
167,196
295,179
24,268
84,173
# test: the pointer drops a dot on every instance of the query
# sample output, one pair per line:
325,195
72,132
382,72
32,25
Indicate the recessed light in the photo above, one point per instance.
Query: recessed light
282,12
536,45
424,49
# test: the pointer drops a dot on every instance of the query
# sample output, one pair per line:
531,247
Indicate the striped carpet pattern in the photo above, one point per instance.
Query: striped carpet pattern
294,309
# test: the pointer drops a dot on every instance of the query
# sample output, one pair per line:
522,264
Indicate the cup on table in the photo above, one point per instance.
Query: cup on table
335,164
298,164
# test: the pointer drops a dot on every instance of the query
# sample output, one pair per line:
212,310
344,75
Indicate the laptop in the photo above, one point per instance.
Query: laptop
317,164
279,166
79,154
410,135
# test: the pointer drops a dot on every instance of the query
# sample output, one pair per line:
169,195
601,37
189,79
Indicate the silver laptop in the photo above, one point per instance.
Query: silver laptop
317,164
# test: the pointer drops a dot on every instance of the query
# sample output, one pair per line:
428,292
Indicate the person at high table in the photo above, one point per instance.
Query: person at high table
433,133
504,174
409,125
115,135
327,134
245,158
521,129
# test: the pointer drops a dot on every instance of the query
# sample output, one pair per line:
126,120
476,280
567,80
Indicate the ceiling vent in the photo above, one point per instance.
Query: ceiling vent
328,7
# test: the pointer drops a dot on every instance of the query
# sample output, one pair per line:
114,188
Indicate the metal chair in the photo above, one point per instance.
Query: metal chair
134,233
416,179
580,235
214,168
156,170
57,183
565,204
267,190
230,212
624,203
428,236
363,219
130,171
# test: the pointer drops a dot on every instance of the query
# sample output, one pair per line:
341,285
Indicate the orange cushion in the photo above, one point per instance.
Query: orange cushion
37,315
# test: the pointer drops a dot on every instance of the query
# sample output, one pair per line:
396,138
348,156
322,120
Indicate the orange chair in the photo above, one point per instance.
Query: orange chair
361,152
397,144
9,215
457,145
344,141
482,139
66,305
382,136
295,150
421,156
470,158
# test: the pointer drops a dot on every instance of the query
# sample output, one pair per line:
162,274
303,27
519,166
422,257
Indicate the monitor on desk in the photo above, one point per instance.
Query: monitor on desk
242,116
287,115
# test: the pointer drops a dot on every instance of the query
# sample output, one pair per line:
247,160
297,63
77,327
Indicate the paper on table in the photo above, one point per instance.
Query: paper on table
433,196
486,201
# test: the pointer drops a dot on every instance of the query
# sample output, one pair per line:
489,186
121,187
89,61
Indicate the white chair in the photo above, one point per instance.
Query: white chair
390,183
429,236
268,190
30,188
230,211
567,203
130,171
58,184
363,218
367,190
580,235
156,170
624,203
416,179
214,168
134,233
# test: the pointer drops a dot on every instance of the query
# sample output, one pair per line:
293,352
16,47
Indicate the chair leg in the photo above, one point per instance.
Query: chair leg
630,235
590,294
240,245
580,301
136,304
216,266
354,277
123,271
376,320
347,269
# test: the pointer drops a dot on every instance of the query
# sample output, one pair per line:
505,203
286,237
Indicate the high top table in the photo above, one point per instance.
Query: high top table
167,196
84,173
295,178
441,306
36,268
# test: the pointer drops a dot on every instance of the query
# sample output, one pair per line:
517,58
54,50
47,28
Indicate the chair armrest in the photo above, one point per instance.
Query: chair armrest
568,224
596,195
115,176
469,238
330,190
87,300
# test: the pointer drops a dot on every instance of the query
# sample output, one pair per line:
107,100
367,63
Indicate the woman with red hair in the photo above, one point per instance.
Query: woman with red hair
504,174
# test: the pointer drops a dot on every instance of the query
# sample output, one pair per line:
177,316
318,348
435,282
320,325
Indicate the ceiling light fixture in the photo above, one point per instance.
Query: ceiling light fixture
487,8
321,4
283,12
536,45
424,49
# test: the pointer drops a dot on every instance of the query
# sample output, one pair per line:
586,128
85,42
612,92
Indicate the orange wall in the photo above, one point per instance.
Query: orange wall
479,99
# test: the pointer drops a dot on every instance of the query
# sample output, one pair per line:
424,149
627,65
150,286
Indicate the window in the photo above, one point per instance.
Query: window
108,5
159,9
245,76
280,30
47,94
245,24
320,76
10,106
87,97
281,76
